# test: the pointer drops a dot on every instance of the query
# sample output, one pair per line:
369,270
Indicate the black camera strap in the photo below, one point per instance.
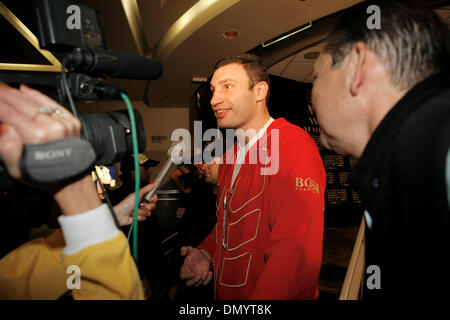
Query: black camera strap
56,162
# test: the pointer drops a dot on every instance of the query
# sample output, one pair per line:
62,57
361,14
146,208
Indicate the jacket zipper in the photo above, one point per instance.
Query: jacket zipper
224,245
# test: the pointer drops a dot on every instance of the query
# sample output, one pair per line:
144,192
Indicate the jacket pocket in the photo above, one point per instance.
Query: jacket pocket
248,188
235,270
243,230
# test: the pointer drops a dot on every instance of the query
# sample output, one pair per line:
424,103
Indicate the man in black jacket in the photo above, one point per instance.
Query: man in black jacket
382,93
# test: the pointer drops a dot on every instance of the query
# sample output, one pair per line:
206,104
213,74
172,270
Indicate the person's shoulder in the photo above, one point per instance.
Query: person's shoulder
422,141
296,149
429,122
186,168
291,134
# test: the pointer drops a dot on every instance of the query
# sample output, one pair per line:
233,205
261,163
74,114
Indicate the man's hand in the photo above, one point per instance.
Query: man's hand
195,269
125,209
21,122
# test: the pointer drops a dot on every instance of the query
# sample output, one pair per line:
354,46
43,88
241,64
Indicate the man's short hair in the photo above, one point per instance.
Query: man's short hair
256,71
412,42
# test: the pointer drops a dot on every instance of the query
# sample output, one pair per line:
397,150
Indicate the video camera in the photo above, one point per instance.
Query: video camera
75,31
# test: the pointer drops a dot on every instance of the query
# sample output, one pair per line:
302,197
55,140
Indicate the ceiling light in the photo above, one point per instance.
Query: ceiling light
287,35
313,55
199,79
192,20
231,34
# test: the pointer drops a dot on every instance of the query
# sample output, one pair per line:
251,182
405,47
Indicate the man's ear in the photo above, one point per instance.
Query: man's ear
358,63
262,88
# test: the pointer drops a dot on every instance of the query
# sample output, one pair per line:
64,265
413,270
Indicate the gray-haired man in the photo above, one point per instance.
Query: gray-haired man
383,95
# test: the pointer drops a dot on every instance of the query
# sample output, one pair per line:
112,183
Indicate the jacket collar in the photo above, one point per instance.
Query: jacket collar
384,136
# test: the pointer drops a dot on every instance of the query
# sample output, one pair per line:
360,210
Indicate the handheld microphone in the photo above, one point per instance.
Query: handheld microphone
115,64
175,151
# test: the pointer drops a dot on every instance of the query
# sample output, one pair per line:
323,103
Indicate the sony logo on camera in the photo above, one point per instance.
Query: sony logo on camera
52,154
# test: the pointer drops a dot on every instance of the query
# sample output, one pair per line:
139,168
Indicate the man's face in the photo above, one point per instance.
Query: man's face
210,171
331,104
233,102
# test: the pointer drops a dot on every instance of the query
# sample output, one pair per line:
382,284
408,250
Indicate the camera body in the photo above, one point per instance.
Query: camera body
75,30
65,25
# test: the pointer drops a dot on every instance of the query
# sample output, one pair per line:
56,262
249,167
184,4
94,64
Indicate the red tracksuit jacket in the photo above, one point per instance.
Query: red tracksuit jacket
267,243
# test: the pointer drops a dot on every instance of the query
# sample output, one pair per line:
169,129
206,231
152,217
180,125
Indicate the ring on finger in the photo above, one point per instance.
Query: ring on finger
49,110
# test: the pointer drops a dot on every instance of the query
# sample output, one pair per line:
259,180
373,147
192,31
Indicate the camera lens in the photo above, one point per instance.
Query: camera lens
110,134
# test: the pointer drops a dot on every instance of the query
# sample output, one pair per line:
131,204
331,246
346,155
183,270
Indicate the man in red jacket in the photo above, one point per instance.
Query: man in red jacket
267,243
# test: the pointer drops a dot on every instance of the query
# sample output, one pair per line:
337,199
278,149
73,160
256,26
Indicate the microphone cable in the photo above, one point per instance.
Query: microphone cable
134,225
66,87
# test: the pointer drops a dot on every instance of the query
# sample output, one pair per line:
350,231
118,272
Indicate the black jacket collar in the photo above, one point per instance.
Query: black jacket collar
383,138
